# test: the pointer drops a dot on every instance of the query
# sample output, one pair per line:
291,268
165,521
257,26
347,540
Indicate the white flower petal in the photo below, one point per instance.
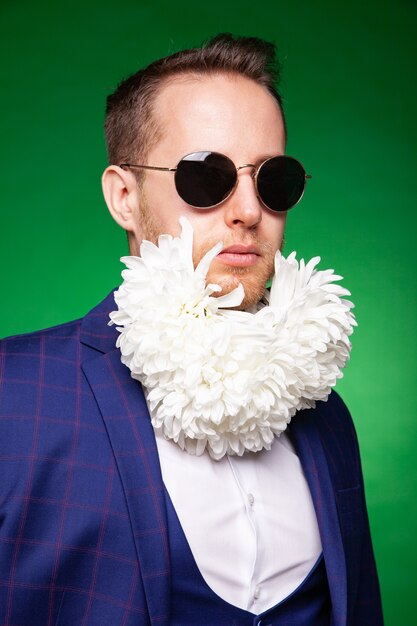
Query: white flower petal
231,299
222,380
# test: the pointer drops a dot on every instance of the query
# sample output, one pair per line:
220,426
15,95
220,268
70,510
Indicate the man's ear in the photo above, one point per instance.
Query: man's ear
121,193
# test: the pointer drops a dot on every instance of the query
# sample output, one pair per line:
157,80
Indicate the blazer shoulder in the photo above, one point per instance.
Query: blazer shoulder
339,438
41,386
54,339
46,359
335,411
57,330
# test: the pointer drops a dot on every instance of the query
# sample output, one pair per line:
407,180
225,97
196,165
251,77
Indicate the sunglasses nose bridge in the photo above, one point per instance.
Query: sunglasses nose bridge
241,167
253,175
246,165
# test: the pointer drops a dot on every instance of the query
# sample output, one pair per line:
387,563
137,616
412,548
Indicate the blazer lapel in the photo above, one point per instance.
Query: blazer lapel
126,417
309,448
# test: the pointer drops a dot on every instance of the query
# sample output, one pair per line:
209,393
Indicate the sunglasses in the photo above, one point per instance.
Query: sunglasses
206,179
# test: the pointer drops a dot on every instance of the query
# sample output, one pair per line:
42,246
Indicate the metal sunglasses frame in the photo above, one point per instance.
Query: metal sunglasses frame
254,175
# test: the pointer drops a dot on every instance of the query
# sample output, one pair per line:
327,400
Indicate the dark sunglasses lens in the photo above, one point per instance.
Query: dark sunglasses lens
204,179
281,182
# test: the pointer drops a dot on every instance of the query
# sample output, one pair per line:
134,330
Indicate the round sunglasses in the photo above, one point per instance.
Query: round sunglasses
206,179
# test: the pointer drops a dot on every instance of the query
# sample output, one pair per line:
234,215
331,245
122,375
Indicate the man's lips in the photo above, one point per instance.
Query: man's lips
239,255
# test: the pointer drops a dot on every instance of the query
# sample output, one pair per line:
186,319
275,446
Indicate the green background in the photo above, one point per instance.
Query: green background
349,88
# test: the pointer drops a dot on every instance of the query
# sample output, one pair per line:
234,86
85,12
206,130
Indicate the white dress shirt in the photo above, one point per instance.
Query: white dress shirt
249,521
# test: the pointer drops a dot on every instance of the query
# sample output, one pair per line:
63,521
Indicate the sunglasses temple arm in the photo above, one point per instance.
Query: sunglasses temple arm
149,167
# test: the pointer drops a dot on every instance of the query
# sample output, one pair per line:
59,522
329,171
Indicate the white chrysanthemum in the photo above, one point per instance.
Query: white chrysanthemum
228,381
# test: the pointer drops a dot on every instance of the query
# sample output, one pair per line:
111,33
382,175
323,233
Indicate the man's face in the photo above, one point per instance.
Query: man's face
239,118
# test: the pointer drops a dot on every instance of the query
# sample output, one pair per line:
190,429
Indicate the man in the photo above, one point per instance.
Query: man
109,517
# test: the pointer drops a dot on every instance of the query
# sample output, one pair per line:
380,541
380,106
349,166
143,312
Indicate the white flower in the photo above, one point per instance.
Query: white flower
223,380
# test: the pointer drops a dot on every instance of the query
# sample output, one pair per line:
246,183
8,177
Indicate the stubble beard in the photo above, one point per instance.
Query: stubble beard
228,277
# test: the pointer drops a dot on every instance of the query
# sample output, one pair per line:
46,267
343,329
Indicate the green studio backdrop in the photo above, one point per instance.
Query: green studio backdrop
349,88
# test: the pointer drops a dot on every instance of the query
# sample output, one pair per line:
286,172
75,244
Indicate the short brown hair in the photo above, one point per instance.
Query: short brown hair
129,126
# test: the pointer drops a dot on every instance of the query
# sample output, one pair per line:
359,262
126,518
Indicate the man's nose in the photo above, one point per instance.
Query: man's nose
243,208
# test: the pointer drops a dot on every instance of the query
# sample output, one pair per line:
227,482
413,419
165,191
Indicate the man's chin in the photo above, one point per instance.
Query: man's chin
254,287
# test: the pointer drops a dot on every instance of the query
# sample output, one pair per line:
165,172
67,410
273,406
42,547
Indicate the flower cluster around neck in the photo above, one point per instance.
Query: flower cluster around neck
223,380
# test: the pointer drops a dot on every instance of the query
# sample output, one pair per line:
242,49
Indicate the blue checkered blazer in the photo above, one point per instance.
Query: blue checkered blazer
83,533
